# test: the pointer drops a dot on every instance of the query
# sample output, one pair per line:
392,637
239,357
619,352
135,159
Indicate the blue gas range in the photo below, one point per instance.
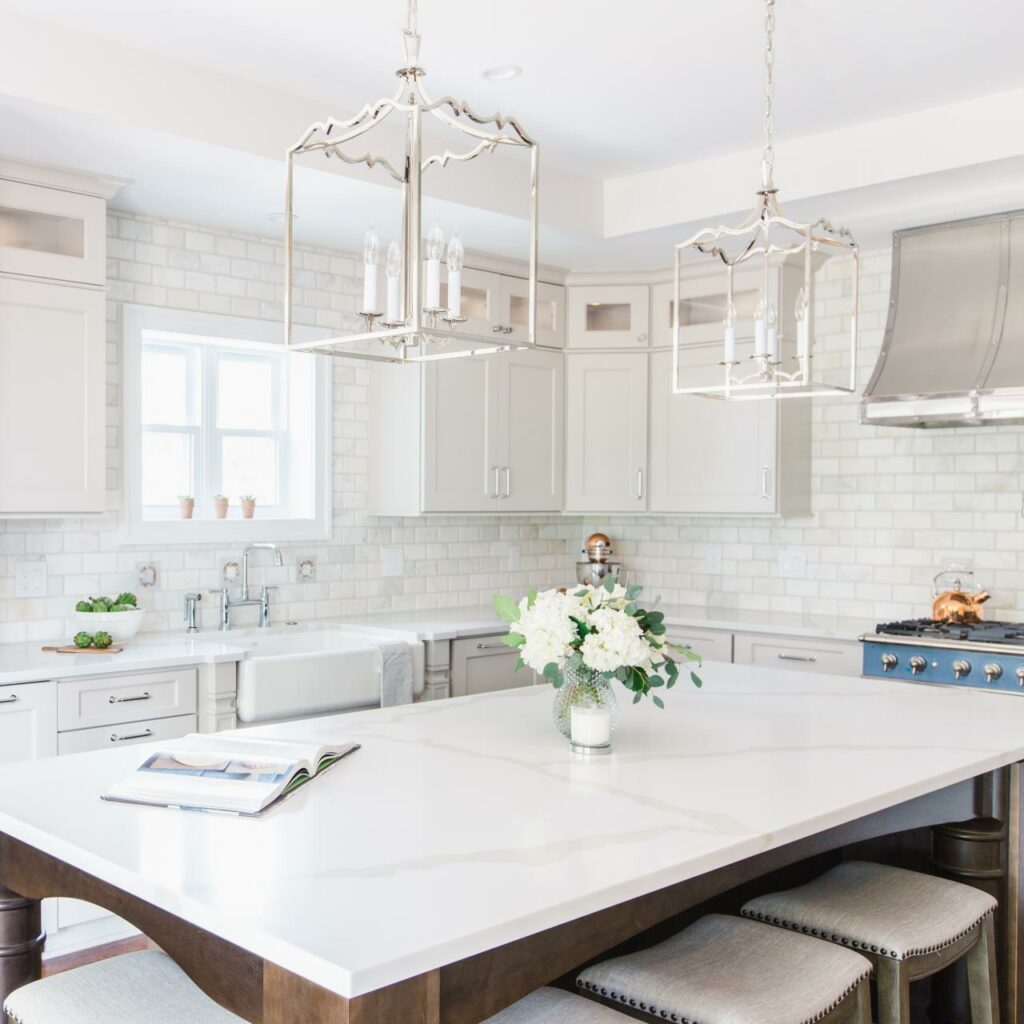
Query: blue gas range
985,655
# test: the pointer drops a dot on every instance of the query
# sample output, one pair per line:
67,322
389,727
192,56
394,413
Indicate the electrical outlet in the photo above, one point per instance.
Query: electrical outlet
30,577
393,561
713,559
793,563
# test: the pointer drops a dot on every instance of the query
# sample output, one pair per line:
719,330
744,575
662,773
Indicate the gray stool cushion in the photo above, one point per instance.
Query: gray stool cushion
137,988
553,1006
725,970
886,911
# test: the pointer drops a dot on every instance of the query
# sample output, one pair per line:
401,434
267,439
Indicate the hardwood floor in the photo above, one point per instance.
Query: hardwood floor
90,956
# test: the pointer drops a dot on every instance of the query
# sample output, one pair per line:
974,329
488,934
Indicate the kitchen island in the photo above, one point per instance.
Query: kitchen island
463,857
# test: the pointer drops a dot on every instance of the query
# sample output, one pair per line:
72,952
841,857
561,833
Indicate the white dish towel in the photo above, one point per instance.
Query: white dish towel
396,674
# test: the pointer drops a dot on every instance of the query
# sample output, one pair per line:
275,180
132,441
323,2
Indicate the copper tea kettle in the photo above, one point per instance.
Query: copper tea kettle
962,601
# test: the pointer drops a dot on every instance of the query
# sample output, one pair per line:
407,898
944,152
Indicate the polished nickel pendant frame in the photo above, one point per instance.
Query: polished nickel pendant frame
420,334
758,239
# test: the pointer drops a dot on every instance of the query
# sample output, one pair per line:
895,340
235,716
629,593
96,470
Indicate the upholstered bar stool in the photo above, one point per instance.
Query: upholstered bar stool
553,1006
136,988
726,970
908,924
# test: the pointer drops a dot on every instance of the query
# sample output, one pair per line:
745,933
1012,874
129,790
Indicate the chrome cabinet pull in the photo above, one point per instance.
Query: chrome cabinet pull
128,700
492,647
496,470
808,658
497,329
9,700
764,482
639,484
114,738
508,482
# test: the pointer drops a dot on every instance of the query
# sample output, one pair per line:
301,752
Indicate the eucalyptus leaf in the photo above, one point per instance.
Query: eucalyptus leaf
633,592
506,608
696,679
513,640
531,598
609,584
636,698
658,702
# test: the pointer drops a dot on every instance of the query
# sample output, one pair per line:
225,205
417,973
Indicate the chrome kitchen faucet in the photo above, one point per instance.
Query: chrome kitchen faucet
227,602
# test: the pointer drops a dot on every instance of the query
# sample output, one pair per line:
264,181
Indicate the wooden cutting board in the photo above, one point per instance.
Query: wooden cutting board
71,649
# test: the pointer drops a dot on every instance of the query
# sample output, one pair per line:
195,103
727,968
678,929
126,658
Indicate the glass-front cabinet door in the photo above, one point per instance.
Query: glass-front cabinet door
609,316
550,311
481,302
46,232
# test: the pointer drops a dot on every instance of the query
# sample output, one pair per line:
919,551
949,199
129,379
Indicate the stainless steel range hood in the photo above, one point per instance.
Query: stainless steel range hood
953,353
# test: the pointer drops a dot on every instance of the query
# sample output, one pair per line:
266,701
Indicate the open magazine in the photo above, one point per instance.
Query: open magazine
221,772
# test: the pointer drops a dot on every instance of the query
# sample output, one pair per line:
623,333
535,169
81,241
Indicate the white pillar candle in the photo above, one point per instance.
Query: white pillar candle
432,285
802,338
760,344
454,293
590,727
394,310
773,344
370,288
730,344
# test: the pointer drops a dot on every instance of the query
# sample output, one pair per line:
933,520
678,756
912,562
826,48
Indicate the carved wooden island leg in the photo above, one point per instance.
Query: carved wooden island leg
21,941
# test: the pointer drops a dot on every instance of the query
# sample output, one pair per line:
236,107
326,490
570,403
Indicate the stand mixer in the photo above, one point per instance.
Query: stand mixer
598,565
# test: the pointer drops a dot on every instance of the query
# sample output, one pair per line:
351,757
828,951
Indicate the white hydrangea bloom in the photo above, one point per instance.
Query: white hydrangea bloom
617,641
548,629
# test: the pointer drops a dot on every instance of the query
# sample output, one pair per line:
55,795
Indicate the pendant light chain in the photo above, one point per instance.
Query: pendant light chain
768,156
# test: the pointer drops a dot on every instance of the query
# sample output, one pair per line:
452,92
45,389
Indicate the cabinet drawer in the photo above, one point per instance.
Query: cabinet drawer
105,737
109,700
484,664
28,721
826,657
710,644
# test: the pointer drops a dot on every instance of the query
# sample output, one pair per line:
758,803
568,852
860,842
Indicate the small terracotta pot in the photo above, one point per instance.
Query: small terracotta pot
220,507
186,506
248,507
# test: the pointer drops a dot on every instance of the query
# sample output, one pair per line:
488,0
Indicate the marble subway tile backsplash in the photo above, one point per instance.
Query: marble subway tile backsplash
889,506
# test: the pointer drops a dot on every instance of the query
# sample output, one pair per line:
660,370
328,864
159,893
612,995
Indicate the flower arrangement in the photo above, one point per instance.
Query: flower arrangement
600,630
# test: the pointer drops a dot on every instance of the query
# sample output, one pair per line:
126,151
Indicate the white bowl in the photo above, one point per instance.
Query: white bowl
121,626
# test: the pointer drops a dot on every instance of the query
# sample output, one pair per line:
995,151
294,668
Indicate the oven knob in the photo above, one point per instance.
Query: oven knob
993,671
1020,674
961,668
890,661
917,664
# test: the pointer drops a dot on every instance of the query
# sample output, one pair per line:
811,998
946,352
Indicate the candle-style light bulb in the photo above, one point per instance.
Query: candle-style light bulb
371,261
803,327
772,319
729,333
393,270
760,334
456,258
434,251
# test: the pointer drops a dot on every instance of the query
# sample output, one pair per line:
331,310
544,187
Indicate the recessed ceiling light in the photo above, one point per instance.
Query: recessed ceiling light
503,72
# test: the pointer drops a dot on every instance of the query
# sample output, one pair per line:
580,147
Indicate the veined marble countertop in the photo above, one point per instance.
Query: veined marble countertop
464,824
452,623
27,662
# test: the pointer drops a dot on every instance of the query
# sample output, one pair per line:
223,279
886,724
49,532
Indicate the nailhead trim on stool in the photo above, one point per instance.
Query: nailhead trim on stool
887,911
730,969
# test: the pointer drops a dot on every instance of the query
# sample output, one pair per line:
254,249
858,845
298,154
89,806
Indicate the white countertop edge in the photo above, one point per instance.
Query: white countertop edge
354,983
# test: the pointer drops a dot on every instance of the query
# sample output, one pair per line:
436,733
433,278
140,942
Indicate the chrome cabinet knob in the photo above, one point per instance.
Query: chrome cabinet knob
918,664
1020,675
993,671
889,662
961,668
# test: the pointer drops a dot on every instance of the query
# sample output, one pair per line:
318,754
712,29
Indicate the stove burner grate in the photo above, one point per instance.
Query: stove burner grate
979,632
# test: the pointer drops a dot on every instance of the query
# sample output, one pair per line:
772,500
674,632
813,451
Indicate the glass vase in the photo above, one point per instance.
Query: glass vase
588,690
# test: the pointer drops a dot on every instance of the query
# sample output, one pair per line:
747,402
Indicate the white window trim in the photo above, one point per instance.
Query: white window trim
134,529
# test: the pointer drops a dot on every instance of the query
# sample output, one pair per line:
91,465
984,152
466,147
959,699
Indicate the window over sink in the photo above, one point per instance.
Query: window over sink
215,406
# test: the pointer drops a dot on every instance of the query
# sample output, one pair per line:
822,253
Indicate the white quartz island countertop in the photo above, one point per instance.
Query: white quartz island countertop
464,824
28,662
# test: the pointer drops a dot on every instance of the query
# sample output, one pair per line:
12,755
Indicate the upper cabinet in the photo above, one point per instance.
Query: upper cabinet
478,434
52,340
499,304
609,316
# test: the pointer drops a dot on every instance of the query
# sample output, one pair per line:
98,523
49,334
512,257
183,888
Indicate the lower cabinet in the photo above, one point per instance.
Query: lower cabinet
826,657
710,644
28,721
484,664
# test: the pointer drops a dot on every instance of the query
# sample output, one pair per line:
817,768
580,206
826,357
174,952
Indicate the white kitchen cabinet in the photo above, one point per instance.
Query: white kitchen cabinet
28,721
110,700
711,457
826,657
606,432
481,302
126,735
484,664
710,644
477,434
609,316
52,398
515,311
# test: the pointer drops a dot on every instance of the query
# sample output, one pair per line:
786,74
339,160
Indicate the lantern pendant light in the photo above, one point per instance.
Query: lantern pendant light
412,321
769,351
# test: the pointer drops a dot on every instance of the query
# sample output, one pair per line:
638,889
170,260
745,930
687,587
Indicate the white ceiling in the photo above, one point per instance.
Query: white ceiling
609,88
